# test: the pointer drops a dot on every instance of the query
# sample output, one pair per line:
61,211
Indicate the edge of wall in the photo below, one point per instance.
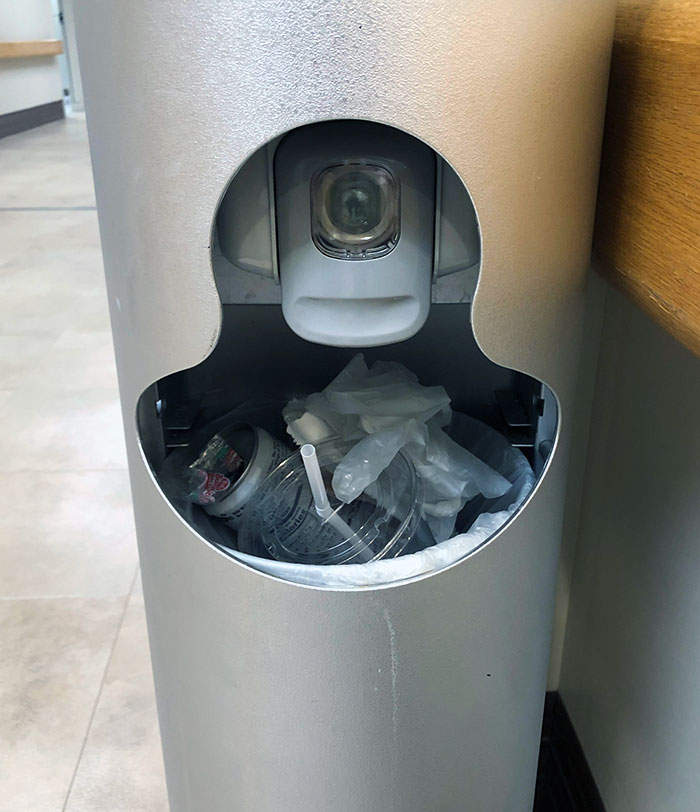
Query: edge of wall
21,120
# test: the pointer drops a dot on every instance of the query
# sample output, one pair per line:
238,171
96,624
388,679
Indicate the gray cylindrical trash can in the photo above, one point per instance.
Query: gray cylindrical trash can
424,694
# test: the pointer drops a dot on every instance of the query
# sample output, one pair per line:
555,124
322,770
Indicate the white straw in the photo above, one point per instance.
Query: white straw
318,491
315,477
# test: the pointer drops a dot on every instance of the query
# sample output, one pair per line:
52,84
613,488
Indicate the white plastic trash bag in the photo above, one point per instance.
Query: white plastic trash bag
383,409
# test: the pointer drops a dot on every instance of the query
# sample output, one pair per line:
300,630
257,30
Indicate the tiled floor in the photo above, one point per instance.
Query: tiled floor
78,731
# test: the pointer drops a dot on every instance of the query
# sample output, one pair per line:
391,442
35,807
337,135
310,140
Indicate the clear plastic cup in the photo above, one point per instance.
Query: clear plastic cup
280,520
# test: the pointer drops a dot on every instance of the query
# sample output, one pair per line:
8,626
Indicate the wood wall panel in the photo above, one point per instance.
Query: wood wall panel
20,49
647,237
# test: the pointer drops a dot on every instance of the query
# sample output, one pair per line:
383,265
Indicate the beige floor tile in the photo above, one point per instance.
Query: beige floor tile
122,767
66,534
44,181
63,135
47,246
49,166
39,237
20,355
51,277
57,430
46,313
77,360
53,654
66,526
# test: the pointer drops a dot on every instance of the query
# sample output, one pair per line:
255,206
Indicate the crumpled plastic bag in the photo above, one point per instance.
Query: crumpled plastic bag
384,409
360,401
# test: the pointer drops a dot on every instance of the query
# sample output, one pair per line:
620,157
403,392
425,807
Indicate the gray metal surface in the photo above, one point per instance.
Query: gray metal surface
424,696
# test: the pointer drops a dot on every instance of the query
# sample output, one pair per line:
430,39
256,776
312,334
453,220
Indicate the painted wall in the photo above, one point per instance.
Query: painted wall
595,308
631,666
71,49
27,82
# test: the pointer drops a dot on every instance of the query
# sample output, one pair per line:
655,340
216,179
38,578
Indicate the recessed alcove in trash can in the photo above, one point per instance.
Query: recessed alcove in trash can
309,137
266,228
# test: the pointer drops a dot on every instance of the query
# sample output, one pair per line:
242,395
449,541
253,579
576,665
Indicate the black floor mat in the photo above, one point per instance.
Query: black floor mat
564,780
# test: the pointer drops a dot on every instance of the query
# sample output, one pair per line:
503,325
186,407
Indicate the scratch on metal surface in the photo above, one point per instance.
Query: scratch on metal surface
394,685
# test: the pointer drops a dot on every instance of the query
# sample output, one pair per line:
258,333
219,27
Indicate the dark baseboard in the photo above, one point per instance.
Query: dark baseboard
20,120
564,779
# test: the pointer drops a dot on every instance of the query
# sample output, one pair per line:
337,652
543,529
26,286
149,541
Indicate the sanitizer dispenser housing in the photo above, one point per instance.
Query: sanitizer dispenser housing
366,282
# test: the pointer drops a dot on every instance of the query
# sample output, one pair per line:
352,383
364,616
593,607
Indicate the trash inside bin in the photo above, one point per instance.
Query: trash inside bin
231,467
282,520
411,485
381,409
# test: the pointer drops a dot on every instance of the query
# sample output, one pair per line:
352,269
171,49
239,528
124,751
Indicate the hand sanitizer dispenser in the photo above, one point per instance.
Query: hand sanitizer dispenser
355,209
278,184
355,222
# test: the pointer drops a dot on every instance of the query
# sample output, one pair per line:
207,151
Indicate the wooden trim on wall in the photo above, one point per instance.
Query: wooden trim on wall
647,237
20,49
